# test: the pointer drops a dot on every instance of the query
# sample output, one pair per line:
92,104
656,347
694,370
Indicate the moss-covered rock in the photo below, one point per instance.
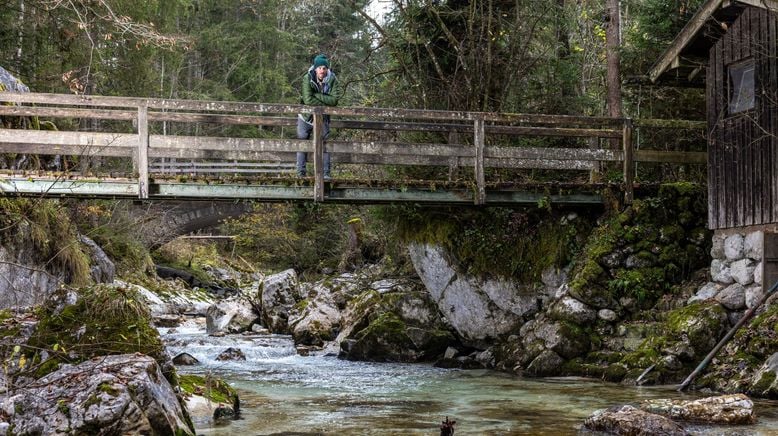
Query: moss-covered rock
104,320
396,326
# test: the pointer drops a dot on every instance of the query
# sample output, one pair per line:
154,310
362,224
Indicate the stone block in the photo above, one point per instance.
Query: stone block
733,247
719,272
742,271
706,292
753,245
717,246
733,297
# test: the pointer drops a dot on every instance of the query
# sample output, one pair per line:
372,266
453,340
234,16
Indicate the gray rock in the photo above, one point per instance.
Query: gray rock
185,359
277,300
733,297
553,277
547,363
758,270
734,316
231,354
765,380
733,247
570,309
233,315
102,268
607,315
742,271
450,353
613,259
11,83
485,358
734,409
629,420
479,310
719,272
717,246
123,394
753,294
753,245
706,292
639,260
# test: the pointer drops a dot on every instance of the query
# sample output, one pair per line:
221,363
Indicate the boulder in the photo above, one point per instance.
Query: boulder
277,299
231,354
736,409
717,246
607,315
719,272
185,359
742,271
480,310
102,268
570,309
706,292
545,364
733,247
629,420
753,245
122,394
232,315
754,293
733,297
758,273
404,327
764,380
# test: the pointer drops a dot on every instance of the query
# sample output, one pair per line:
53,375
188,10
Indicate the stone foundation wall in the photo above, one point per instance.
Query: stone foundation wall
736,271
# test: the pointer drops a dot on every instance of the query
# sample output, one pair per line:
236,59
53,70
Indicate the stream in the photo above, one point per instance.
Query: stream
284,393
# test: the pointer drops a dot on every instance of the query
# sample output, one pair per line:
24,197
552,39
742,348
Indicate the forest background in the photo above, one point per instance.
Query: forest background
523,56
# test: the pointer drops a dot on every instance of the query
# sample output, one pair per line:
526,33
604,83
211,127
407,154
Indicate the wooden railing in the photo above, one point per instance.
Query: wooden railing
138,128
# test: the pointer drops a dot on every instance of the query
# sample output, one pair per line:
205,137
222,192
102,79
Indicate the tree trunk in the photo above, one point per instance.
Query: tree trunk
612,46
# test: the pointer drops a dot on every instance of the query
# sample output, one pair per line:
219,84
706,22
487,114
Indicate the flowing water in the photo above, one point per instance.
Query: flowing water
283,393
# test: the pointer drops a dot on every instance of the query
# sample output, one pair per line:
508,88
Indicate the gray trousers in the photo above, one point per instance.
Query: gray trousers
304,131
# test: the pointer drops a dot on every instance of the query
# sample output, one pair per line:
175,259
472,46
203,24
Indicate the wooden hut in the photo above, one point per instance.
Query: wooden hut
730,48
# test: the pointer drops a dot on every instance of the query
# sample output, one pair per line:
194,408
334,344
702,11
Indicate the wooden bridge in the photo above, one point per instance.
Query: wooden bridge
147,148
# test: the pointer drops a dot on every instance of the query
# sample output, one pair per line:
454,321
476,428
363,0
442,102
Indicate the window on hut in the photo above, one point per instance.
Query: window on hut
742,85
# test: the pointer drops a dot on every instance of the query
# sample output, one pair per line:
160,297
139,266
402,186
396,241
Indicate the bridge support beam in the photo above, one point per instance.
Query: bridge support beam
629,161
143,151
318,155
480,179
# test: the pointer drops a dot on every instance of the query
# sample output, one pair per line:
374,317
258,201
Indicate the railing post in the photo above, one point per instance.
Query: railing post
629,161
318,155
143,151
478,143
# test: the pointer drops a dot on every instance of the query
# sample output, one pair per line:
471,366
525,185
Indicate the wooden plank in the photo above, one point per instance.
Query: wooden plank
478,167
318,156
680,157
390,148
682,39
553,153
55,112
66,150
710,106
773,123
231,144
84,139
669,124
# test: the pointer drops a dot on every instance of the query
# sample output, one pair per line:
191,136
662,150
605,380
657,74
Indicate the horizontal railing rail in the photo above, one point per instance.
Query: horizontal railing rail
141,141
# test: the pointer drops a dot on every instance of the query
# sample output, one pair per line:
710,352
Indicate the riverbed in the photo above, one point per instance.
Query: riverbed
284,393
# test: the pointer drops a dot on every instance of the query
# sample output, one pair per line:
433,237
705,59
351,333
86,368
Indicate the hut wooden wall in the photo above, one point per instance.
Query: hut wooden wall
743,148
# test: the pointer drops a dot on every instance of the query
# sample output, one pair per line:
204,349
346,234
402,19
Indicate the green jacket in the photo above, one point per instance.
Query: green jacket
327,94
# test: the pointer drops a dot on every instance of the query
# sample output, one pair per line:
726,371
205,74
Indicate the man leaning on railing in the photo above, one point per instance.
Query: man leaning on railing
319,88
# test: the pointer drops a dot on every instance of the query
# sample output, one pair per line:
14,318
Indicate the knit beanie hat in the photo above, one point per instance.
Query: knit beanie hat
321,60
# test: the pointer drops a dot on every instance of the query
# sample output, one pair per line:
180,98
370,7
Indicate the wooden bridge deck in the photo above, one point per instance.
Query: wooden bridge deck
242,142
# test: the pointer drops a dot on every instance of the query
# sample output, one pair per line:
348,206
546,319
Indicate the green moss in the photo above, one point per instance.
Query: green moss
765,382
212,388
105,320
62,407
108,389
302,304
45,226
